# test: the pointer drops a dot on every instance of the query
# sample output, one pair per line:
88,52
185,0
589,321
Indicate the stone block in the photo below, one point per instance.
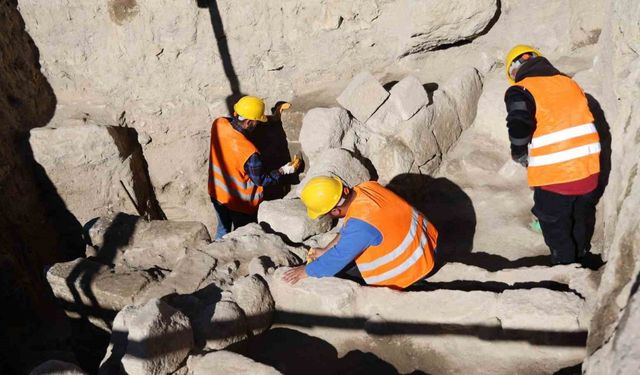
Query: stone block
130,241
339,163
408,96
219,325
363,96
153,339
87,165
289,217
322,129
252,294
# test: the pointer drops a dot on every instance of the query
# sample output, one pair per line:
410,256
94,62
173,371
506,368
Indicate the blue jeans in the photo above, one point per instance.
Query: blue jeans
229,220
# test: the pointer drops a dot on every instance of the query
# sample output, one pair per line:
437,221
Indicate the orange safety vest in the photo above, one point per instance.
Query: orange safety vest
229,184
406,253
565,146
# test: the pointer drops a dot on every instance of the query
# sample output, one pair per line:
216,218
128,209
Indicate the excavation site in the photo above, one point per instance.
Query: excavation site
319,187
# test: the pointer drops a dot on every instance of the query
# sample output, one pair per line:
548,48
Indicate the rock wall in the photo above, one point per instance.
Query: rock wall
169,67
618,67
28,240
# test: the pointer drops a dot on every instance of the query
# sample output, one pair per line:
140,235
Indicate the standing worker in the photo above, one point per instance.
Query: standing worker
391,242
236,173
552,134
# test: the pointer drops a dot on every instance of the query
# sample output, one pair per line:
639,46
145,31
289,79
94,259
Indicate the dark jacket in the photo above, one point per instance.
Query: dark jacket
521,107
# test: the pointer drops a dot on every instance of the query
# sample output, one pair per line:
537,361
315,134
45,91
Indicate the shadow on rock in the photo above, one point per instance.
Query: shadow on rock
293,352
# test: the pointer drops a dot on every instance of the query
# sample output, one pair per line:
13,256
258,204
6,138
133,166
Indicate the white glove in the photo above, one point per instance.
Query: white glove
287,169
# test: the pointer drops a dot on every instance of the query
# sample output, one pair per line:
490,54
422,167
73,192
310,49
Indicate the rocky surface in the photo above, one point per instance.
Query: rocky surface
131,242
428,120
223,362
104,162
495,330
151,339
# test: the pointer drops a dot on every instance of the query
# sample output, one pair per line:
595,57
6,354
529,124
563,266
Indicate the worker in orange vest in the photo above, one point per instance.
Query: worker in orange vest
552,133
392,243
236,170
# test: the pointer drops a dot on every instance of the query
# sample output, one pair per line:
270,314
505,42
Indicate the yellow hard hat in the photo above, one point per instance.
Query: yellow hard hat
321,194
251,108
515,52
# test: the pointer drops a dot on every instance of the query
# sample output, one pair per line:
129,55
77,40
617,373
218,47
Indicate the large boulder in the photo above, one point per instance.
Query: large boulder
252,294
191,273
85,282
323,128
390,158
133,242
339,163
430,24
151,339
219,325
236,249
94,169
289,217
224,362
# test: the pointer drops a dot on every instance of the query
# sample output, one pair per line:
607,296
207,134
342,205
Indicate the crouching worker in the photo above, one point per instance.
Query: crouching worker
391,242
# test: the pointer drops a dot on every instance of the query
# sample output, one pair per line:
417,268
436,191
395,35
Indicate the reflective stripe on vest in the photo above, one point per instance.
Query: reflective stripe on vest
239,186
416,255
229,183
406,252
565,146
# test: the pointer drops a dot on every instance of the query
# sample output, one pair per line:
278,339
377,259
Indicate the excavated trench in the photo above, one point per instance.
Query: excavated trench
147,295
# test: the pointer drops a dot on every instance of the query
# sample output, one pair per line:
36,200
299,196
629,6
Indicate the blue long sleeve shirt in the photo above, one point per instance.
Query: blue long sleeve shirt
254,166
355,237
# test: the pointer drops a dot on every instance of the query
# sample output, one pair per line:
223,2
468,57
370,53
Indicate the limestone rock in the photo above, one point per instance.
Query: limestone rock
465,89
131,241
190,274
323,128
87,165
390,158
55,367
417,134
158,339
289,217
444,121
260,266
408,96
545,310
82,281
363,96
219,325
223,362
248,242
339,163
252,294
386,120
431,24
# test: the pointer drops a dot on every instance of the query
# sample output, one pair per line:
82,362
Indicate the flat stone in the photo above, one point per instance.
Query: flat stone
408,96
363,96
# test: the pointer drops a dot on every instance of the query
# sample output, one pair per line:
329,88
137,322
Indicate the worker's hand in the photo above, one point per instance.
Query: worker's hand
291,167
522,159
295,274
315,253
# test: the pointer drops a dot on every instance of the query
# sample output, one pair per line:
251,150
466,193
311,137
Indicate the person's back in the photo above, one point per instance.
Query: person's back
552,133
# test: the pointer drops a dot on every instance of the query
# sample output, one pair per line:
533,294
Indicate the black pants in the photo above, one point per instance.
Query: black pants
229,220
567,223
